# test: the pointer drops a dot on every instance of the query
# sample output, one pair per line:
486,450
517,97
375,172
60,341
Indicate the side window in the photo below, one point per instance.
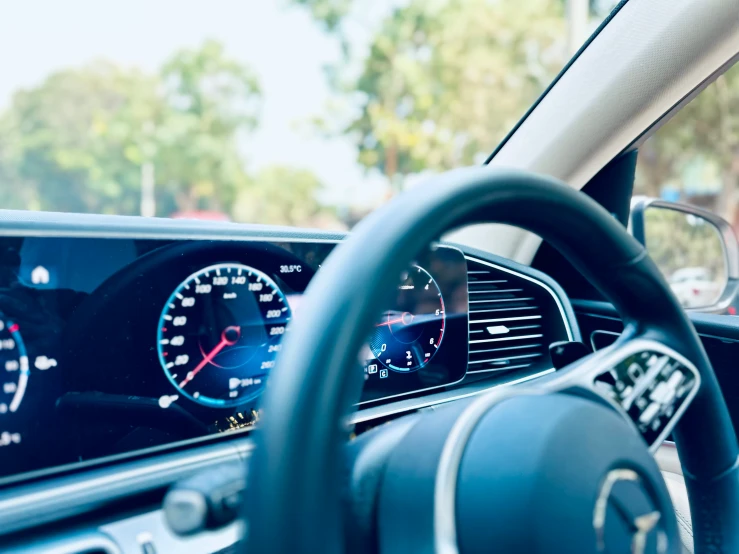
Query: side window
693,160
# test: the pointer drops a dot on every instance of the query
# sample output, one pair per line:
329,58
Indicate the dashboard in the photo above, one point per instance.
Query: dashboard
122,338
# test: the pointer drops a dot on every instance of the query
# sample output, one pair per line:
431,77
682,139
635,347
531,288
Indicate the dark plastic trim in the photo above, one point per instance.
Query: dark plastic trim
714,326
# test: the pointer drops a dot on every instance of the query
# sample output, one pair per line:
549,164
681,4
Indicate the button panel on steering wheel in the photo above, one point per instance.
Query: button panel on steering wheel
653,388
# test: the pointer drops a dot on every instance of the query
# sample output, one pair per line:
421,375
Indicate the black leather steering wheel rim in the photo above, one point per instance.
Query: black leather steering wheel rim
293,500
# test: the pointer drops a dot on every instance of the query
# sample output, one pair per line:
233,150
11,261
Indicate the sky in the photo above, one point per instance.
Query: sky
281,43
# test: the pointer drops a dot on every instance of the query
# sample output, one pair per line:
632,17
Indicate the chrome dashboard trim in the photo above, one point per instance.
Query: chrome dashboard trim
360,417
600,332
37,503
167,236
75,543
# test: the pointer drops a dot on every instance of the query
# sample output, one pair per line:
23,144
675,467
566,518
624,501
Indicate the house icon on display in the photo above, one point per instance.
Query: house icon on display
40,275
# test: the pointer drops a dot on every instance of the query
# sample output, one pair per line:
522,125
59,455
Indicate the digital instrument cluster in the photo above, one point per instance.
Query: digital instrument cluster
112,346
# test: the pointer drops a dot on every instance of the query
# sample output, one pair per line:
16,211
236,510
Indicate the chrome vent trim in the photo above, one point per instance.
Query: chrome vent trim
507,324
73,543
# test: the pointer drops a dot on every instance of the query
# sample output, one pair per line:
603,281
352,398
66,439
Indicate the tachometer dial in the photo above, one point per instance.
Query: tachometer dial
219,334
407,336
14,369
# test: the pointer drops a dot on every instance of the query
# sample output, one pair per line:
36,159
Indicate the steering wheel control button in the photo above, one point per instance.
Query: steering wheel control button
635,372
652,388
648,414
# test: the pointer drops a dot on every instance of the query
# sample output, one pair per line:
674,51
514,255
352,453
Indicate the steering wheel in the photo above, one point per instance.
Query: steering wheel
561,464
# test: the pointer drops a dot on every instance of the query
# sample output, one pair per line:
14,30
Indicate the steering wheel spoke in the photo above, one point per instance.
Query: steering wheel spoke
647,382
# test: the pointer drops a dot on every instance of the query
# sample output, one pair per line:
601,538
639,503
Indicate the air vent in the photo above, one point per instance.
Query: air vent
513,319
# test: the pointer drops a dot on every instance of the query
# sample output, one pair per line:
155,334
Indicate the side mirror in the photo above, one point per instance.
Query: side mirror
696,251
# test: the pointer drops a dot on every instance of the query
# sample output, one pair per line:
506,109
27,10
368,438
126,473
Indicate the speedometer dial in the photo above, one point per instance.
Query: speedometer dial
14,369
219,334
408,336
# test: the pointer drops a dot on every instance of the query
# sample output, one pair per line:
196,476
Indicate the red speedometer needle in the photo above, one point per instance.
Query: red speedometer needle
390,322
229,337
405,319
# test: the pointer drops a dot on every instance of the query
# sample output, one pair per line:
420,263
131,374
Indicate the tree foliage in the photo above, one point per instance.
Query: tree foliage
676,241
703,136
78,142
444,81
70,144
211,99
329,13
283,196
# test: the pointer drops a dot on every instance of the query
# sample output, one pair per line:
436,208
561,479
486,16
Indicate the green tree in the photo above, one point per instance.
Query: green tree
68,144
78,141
328,13
704,133
283,196
331,13
213,100
444,81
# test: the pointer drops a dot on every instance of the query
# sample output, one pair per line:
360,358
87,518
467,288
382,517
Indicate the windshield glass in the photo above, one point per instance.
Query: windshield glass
296,112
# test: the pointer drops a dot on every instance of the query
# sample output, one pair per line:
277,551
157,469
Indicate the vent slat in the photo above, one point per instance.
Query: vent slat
501,368
503,348
494,360
496,291
501,319
496,300
500,339
503,309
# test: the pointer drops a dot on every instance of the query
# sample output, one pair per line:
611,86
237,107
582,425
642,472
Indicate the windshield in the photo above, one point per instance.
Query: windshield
296,112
